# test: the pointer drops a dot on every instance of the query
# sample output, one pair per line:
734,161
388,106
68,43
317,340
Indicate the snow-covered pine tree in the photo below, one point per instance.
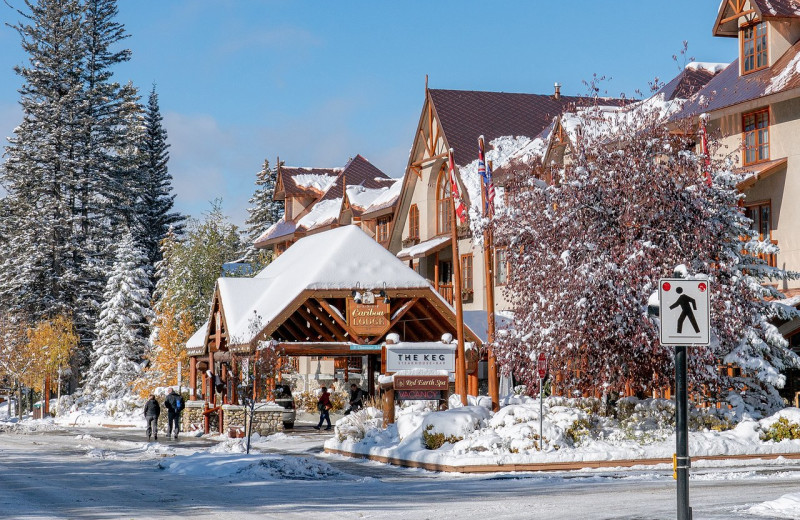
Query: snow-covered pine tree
61,172
122,329
104,182
40,275
156,212
263,212
587,251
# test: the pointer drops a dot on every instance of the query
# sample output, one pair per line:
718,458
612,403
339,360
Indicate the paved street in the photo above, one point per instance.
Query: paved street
111,473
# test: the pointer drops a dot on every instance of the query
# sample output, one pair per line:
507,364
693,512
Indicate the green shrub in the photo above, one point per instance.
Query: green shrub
781,430
578,430
434,441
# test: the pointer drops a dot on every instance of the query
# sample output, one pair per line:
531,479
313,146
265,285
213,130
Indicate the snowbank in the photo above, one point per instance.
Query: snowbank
574,430
787,506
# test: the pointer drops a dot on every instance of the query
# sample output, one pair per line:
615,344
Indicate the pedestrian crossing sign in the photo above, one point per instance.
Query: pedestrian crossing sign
684,311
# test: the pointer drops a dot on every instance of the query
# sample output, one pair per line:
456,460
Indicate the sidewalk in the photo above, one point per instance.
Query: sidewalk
549,466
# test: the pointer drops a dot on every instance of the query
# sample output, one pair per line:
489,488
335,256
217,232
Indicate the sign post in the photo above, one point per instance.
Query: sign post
541,366
682,300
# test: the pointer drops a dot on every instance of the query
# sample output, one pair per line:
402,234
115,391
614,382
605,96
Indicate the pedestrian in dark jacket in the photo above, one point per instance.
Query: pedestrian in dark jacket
174,405
324,406
151,412
356,399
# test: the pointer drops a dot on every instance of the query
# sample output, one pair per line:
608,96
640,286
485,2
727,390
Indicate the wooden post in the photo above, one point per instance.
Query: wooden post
255,377
371,374
461,362
212,394
193,378
46,397
225,380
388,406
488,259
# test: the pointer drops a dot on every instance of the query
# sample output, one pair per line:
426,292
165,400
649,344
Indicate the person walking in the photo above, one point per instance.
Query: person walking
174,405
151,412
324,407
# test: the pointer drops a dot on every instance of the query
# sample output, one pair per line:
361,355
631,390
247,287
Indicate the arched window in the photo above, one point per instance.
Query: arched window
413,222
444,204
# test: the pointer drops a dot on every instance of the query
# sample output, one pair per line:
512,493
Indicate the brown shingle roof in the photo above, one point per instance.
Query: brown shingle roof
291,188
467,114
728,88
764,10
357,172
686,84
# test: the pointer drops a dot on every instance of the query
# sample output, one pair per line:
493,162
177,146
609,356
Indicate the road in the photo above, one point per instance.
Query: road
104,473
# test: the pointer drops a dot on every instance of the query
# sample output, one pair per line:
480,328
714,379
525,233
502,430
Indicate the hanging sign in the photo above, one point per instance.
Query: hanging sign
684,311
418,395
368,319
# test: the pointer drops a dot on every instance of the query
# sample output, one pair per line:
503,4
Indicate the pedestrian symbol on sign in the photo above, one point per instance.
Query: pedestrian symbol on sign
687,305
681,301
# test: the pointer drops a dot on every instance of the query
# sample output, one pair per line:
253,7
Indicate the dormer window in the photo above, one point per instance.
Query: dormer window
754,47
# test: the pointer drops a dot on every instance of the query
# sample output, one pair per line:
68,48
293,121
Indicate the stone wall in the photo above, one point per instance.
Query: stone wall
192,416
233,417
267,419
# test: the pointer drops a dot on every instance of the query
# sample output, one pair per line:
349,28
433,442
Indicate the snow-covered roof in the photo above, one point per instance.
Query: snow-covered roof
342,258
423,248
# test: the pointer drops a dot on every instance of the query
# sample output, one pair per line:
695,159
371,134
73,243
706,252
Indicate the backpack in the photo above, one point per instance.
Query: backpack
178,404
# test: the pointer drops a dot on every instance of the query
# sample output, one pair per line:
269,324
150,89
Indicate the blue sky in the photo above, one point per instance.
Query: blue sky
318,82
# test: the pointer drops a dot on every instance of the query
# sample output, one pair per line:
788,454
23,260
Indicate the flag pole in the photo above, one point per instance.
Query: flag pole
461,362
488,249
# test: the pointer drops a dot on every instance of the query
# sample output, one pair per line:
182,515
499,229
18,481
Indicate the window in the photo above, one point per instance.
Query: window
384,223
755,129
444,203
760,214
754,47
466,273
413,222
500,266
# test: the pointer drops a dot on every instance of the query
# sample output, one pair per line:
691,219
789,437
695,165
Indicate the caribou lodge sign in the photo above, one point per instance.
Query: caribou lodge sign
368,319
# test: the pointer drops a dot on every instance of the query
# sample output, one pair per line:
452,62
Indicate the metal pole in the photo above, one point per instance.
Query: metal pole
541,414
682,434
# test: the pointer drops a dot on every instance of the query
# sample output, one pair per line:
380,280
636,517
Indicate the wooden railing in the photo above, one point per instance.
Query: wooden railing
446,290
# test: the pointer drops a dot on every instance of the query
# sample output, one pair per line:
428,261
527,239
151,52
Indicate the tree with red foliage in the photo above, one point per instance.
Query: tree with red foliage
587,249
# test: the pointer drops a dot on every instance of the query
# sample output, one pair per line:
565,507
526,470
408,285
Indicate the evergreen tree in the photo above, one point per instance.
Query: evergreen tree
156,213
263,210
122,330
40,273
62,176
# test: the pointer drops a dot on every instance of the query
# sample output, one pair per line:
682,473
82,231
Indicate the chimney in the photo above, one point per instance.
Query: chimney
557,93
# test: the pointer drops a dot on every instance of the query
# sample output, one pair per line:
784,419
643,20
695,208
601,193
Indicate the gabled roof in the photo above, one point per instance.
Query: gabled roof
342,258
727,22
368,189
690,80
728,88
309,182
467,114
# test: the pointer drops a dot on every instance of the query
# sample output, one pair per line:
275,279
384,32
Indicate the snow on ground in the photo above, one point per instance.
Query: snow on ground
787,506
573,431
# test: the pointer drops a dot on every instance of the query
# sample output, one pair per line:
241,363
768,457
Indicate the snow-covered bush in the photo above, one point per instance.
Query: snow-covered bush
356,425
451,426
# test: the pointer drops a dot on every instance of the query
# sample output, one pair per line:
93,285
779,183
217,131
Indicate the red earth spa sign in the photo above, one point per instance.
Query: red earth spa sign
433,356
368,320
429,388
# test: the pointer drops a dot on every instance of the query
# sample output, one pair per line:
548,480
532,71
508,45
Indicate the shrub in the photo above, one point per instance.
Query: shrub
578,430
781,430
434,441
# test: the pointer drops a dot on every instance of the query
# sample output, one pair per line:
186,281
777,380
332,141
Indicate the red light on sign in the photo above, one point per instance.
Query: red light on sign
666,286
702,287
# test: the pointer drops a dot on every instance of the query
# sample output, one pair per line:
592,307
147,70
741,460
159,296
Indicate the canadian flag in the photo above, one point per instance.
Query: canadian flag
461,208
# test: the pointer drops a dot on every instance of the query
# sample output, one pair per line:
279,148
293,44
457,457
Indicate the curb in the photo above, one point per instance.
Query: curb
547,466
